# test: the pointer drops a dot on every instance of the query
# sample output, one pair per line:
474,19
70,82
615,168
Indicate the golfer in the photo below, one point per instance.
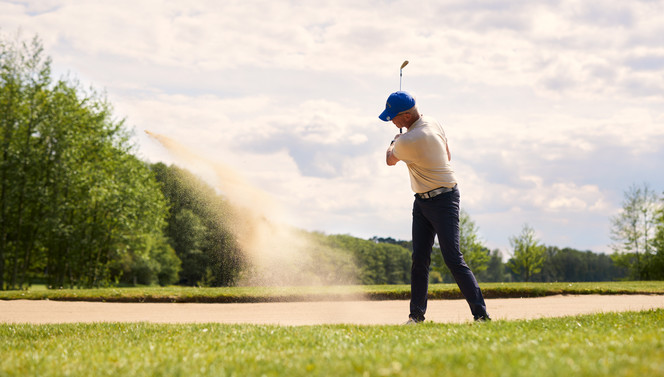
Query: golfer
423,147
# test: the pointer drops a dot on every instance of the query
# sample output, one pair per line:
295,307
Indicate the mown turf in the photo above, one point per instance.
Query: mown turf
614,344
372,292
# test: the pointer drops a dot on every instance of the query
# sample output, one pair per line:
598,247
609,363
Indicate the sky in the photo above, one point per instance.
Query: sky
552,109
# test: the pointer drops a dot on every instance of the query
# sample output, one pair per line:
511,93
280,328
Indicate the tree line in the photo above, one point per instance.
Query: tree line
78,209
529,261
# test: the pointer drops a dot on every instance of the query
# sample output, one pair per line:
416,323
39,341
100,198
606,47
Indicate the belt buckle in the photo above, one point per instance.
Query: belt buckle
425,195
433,193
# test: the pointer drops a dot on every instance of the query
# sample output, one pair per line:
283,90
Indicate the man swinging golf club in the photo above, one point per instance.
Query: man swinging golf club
425,151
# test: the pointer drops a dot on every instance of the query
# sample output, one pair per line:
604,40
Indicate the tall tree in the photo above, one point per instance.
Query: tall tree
528,254
633,230
24,79
474,252
657,265
73,199
495,271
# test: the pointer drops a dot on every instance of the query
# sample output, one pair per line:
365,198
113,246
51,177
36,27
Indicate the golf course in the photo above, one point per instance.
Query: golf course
291,188
592,329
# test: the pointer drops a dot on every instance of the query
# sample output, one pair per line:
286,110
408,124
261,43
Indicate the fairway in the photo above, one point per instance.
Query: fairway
616,344
316,313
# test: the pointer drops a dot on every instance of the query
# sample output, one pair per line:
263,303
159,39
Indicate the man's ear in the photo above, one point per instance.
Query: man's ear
411,118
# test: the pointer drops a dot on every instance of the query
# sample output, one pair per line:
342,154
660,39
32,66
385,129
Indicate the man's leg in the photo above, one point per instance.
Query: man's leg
423,236
444,214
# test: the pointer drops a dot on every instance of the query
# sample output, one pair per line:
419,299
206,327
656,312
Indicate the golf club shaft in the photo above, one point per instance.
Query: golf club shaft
405,63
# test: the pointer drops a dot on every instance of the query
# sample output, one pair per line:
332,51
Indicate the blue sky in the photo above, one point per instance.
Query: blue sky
552,108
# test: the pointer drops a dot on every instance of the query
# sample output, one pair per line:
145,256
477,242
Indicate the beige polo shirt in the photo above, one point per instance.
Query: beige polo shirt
424,150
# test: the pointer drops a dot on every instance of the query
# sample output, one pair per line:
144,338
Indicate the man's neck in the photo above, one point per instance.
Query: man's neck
413,122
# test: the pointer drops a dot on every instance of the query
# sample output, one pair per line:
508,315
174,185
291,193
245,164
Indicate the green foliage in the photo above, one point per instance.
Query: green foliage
74,203
476,255
170,264
379,263
324,262
328,293
573,265
157,265
495,271
657,265
634,231
612,344
199,229
528,255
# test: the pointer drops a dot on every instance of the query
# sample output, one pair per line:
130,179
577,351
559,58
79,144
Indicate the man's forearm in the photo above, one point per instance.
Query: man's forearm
390,158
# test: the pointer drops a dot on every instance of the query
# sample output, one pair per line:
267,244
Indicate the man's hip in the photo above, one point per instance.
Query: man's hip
435,192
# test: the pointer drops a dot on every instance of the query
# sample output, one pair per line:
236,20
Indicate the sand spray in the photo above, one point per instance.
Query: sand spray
278,253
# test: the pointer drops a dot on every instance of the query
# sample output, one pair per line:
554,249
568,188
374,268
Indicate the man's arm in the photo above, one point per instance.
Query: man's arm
390,158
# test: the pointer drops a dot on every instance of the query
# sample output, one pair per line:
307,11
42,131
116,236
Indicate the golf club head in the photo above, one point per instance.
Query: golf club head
405,63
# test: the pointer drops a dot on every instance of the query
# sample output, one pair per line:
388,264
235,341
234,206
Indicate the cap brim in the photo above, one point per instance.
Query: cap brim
386,115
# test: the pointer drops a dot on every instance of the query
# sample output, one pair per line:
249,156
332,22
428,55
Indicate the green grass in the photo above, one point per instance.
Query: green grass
373,292
613,344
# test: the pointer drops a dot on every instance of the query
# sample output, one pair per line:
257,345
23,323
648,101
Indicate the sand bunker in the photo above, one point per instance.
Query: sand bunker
315,313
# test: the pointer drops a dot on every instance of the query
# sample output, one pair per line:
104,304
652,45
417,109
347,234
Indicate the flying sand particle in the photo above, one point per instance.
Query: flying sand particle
278,253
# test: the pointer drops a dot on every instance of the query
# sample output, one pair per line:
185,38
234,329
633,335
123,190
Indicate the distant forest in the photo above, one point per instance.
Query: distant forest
558,265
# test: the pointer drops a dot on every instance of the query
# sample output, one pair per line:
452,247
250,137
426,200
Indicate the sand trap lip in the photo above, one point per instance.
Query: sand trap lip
316,313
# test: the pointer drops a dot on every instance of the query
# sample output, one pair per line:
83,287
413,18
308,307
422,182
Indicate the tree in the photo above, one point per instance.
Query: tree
495,271
633,230
657,265
528,255
24,79
474,252
73,199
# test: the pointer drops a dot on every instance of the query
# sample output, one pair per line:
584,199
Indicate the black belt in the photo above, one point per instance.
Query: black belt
435,192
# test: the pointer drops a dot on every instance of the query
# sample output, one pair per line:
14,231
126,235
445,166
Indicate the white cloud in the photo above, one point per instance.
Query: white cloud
571,47
552,108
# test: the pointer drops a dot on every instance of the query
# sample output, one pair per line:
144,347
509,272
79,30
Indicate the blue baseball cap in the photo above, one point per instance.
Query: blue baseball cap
396,103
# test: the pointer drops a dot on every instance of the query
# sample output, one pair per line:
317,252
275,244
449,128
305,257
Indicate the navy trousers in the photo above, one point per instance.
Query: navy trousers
440,216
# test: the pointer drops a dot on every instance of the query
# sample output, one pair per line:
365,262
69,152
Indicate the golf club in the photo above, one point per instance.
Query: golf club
405,63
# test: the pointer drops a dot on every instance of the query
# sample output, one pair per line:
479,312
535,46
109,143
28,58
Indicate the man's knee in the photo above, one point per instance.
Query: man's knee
421,262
